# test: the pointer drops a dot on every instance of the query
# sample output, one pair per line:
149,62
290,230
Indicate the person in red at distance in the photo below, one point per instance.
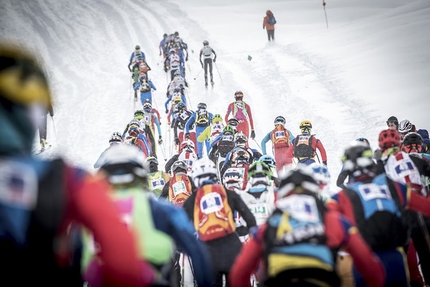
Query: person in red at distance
41,199
297,241
242,112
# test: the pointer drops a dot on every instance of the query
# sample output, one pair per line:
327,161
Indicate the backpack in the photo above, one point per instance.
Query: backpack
295,241
213,217
202,118
225,145
179,188
272,20
378,213
303,146
280,137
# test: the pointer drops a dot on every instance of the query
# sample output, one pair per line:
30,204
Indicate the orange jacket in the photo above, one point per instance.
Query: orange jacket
266,24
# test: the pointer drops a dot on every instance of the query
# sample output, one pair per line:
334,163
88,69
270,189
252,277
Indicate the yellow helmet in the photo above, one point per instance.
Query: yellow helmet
305,124
22,80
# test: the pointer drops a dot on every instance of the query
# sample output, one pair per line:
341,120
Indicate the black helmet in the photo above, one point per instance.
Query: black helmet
165,35
412,138
205,42
179,166
297,180
393,120
357,156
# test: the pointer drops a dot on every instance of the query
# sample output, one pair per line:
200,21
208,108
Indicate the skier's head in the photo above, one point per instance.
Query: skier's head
279,120
137,48
204,172
412,143
25,98
269,160
216,118
153,163
177,73
233,122
181,106
358,161
259,173
240,139
201,106
178,166
133,132
363,140
405,127
393,123
125,165
389,139
147,107
205,42
305,127
187,145
138,114
115,138
238,96
233,179
295,181
176,34
164,35
228,130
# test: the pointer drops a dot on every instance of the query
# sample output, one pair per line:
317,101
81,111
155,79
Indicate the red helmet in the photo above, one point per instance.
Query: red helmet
389,138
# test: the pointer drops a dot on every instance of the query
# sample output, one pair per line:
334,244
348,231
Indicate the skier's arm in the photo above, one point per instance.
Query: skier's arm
157,124
251,121
151,84
166,104
229,109
322,151
236,202
190,121
264,141
200,57
213,51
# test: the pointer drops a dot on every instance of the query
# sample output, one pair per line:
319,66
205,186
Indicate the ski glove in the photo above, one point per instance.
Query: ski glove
187,136
176,141
253,134
186,58
167,111
160,140
325,163
214,60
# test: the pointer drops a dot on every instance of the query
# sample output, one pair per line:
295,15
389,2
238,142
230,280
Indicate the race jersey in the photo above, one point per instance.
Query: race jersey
156,182
280,137
261,206
206,52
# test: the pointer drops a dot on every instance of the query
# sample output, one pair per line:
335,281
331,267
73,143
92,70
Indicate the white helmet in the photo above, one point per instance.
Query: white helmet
203,170
233,178
124,163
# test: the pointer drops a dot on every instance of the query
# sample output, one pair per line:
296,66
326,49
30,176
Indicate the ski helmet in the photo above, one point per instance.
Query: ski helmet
388,138
412,142
147,106
357,156
320,173
24,94
240,139
305,127
187,144
297,180
216,118
405,127
176,34
124,163
233,122
279,120
165,35
153,163
259,169
179,166
205,42
204,171
364,140
269,160
233,178
116,137
238,95
201,106
138,114
228,130
137,47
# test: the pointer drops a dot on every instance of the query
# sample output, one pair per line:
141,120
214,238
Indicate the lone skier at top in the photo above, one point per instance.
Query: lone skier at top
207,53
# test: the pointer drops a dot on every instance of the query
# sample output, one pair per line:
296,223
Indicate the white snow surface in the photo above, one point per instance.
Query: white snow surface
346,73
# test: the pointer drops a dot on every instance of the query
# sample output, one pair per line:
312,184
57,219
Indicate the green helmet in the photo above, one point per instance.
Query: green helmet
228,129
259,169
137,47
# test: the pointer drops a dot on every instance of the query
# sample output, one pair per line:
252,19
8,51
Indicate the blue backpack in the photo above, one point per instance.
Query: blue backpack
272,20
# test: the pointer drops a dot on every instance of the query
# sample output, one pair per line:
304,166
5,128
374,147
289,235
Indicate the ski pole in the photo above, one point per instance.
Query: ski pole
163,151
188,99
257,144
325,13
198,74
218,73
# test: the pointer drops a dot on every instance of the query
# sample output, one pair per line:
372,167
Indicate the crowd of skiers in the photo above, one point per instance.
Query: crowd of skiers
220,213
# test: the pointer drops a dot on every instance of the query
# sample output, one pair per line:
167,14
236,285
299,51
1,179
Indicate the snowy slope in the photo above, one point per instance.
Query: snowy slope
372,62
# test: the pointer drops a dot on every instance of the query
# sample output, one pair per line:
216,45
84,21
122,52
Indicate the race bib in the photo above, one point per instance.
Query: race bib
211,202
